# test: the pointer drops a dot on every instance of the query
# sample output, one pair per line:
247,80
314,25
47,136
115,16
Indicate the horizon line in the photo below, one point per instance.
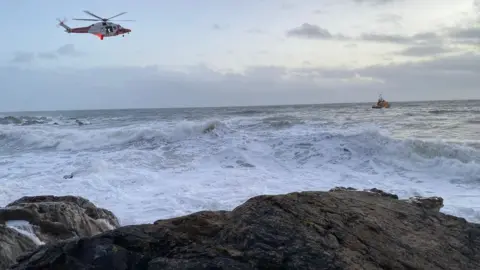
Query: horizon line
234,106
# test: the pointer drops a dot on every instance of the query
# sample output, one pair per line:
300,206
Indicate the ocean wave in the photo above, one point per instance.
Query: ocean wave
146,136
130,165
40,120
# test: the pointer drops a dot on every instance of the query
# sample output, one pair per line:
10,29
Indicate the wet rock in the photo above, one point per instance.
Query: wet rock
342,189
343,229
372,190
382,193
428,203
12,245
55,218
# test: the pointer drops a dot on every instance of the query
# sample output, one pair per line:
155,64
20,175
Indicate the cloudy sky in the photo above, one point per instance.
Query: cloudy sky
248,52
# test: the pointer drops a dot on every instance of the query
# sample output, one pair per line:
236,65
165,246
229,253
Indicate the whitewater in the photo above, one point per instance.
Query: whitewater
150,164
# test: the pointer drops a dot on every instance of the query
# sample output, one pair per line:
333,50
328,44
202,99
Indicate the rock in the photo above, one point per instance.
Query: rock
428,203
68,176
373,190
343,229
342,189
59,218
12,245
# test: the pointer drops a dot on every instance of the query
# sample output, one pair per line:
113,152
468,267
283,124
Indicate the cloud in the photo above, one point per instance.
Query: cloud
23,57
470,35
450,77
427,50
67,50
419,38
390,18
47,55
311,31
219,27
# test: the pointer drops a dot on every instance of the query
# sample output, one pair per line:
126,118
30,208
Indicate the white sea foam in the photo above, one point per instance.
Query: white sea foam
159,168
25,228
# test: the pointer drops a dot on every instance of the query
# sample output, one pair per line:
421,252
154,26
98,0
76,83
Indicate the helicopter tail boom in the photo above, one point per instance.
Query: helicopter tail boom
62,24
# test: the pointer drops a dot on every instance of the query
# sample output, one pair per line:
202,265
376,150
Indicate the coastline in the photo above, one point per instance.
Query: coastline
338,229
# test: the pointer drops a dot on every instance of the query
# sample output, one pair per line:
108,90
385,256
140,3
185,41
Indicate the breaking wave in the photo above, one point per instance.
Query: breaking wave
161,166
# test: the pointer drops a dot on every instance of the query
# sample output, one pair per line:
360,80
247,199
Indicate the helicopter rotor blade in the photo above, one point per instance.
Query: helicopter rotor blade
122,20
86,20
93,15
116,15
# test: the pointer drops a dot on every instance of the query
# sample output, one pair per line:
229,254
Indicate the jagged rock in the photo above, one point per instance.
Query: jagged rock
428,203
301,230
12,245
55,218
373,190
342,189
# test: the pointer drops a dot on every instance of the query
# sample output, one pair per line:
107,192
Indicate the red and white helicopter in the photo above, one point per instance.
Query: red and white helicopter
101,29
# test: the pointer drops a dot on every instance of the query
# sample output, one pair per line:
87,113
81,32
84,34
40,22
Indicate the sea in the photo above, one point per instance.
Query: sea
150,164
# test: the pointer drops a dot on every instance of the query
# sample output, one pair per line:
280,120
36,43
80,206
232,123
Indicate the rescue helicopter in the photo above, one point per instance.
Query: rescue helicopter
101,29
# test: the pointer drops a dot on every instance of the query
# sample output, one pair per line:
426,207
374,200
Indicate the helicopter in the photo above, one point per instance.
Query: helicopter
101,29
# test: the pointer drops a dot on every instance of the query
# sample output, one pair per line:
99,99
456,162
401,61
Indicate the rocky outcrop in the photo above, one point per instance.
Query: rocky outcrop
428,203
12,245
340,229
56,218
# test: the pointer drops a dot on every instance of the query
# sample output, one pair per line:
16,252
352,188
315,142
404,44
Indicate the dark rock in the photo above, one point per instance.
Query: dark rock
55,218
373,190
342,189
306,230
12,245
68,176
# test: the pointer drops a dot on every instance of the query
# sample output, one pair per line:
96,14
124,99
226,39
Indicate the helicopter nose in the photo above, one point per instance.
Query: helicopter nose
127,30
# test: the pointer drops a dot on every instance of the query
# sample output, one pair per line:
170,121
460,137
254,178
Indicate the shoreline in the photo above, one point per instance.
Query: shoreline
338,229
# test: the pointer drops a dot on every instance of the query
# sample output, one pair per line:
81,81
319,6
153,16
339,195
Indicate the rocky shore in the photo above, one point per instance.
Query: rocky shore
339,229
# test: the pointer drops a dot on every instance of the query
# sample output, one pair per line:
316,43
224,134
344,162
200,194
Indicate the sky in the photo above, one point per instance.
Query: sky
190,53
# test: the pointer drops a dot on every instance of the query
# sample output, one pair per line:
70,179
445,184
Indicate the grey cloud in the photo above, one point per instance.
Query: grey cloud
466,35
390,18
65,50
23,57
68,50
386,38
47,55
423,37
420,51
311,31
441,78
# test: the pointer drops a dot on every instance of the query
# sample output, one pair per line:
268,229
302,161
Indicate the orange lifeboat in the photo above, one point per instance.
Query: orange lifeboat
381,103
